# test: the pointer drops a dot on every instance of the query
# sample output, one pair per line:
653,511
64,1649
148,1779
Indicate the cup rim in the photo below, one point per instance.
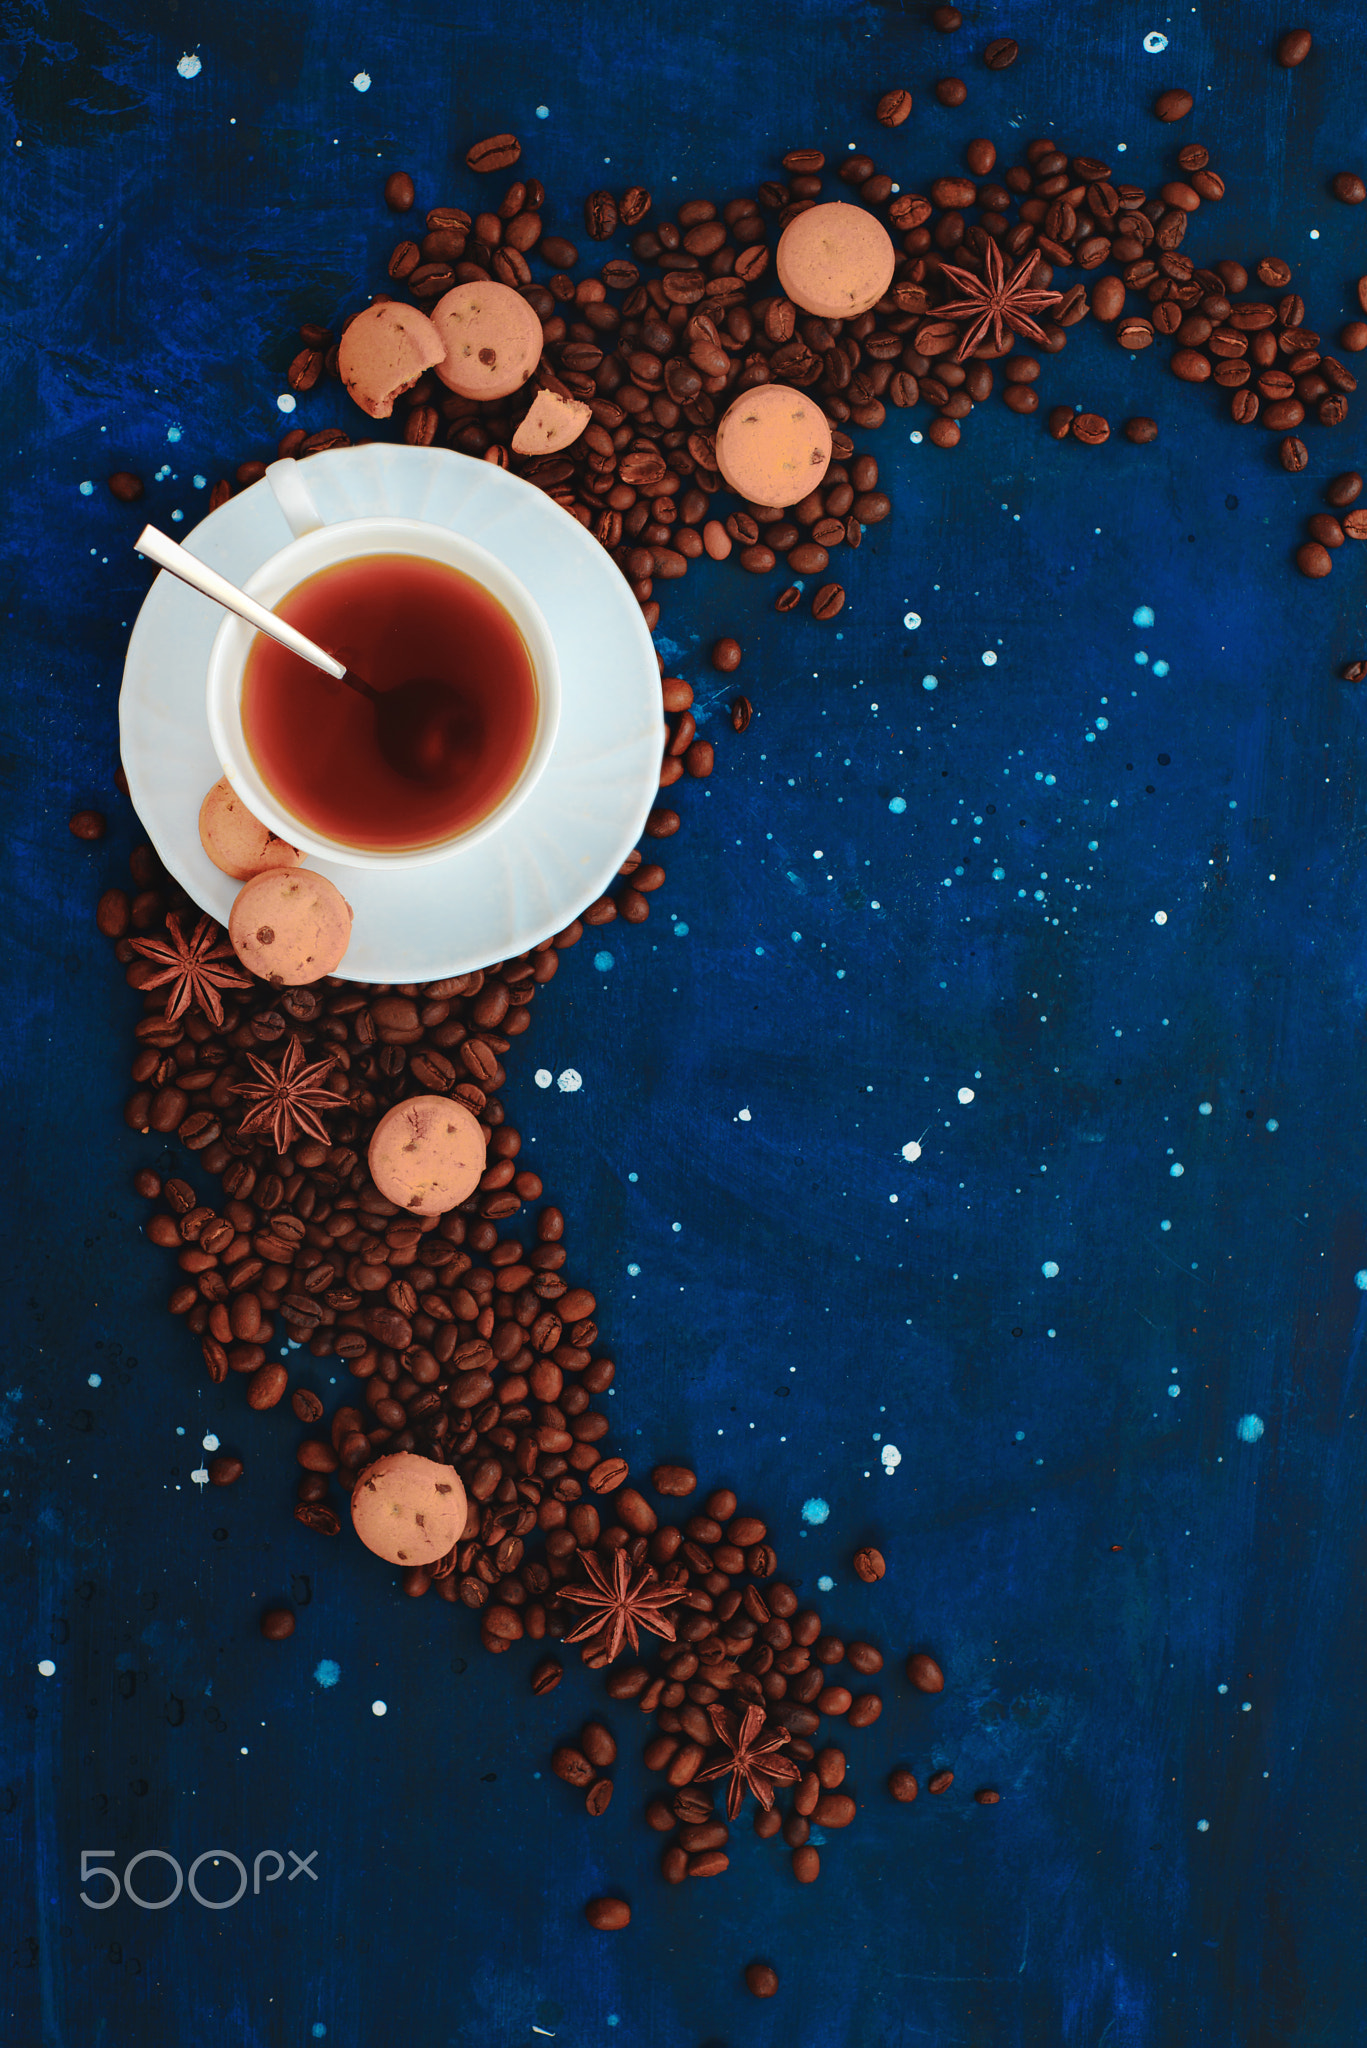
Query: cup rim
379,533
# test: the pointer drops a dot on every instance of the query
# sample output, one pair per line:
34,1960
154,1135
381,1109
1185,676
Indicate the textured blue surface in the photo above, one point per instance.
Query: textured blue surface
834,965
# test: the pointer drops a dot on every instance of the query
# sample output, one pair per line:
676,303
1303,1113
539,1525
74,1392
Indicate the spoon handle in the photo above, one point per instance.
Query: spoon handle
168,554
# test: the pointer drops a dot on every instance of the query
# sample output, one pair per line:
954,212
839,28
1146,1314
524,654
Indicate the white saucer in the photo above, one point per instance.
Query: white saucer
559,850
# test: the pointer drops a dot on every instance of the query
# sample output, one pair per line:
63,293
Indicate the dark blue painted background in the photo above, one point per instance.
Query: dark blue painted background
162,237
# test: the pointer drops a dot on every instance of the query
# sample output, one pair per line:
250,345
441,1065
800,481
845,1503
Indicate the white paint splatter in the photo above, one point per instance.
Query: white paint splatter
570,1082
1155,42
362,81
911,620
911,1152
965,1095
543,1077
200,1476
379,1709
989,659
189,66
210,1442
744,1117
47,1669
891,1457
1160,917
287,401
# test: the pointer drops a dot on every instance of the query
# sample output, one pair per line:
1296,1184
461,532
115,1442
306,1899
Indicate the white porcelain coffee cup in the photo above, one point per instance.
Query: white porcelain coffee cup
317,546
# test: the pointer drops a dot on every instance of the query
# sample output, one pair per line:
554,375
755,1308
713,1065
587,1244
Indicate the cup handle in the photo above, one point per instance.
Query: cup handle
293,497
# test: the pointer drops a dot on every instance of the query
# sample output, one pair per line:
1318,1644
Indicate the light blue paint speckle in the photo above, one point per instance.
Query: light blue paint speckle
796,937
1204,1108
1144,615
603,961
173,433
87,490
1049,1269
680,929
911,620
362,81
327,1672
897,805
1174,1390
319,2031
930,682
1141,659
1203,1827
1160,668
543,113
1272,1123
815,1511
1249,1428
614,2019
634,1271
200,483
825,1584
1177,1169
93,1380
1165,1225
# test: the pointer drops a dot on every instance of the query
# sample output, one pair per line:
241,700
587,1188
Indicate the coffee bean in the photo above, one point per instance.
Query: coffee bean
87,824
398,192
1354,671
598,1798
894,107
1348,187
1141,430
742,711
266,1387
495,153
600,215
1244,407
1313,559
1323,527
547,1676
674,1864
126,487
1173,105
946,20
806,1865
939,1781
675,1480
1294,47
1355,525
829,599
789,599
598,1744
924,1673
276,1624
1294,454
869,1565
950,92
1000,53
761,1979
225,1471
987,1797
607,1915
903,1786
726,656
1091,429
304,1402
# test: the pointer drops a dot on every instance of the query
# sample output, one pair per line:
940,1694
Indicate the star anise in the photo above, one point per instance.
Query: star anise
622,1602
288,1098
996,300
752,1763
198,967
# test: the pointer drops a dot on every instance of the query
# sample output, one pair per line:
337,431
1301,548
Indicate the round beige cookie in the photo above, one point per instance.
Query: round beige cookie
492,340
408,1509
427,1154
773,445
835,261
383,352
235,840
290,927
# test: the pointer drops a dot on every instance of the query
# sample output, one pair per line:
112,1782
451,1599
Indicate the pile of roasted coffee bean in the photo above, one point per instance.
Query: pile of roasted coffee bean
743,1640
